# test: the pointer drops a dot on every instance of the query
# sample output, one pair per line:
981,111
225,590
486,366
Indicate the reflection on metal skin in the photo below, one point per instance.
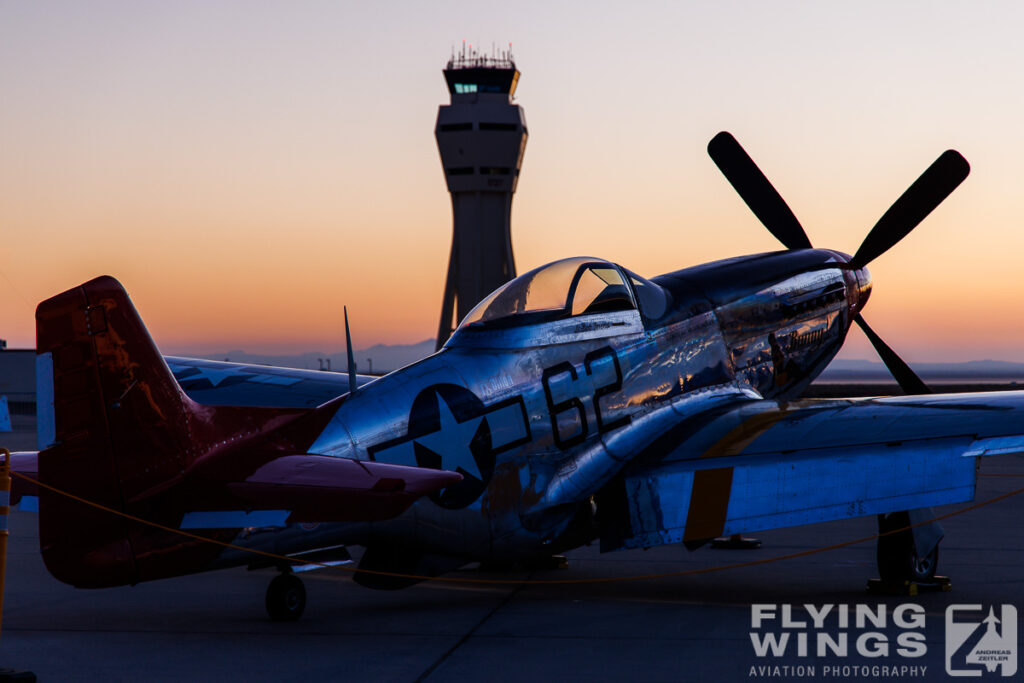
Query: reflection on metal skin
742,329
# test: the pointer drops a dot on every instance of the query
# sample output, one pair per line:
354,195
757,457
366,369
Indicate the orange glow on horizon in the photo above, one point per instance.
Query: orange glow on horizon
245,174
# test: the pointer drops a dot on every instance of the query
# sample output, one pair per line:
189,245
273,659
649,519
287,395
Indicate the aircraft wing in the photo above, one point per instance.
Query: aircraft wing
758,464
236,384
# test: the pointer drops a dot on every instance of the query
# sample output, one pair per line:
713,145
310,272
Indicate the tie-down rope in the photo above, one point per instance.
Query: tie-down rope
452,579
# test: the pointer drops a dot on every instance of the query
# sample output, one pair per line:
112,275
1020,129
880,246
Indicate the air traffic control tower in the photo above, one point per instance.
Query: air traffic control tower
481,136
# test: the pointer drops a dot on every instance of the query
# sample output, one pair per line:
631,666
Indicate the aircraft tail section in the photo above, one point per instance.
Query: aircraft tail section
120,430
110,387
123,443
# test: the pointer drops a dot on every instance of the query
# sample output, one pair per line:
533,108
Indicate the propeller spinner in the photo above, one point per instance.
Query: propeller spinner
926,193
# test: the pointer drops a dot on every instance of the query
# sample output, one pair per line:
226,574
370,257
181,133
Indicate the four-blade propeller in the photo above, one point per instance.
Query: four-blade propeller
927,192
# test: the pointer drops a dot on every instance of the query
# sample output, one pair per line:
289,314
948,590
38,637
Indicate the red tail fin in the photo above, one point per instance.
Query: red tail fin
122,427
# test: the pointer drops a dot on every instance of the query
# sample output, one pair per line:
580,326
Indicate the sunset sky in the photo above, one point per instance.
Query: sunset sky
248,168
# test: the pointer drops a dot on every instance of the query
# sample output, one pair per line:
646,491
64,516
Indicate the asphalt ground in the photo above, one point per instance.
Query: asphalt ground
213,627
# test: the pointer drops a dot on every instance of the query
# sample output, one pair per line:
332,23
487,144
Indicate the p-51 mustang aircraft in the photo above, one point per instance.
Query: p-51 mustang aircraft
578,402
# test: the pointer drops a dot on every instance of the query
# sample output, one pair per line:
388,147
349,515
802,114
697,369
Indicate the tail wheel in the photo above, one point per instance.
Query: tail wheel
898,559
286,598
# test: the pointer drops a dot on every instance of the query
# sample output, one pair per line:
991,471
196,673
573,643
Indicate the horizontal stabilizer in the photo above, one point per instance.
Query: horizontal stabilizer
319,488
26,463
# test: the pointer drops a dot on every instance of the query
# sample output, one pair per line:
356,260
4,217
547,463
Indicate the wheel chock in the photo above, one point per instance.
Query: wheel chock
880,587
736,542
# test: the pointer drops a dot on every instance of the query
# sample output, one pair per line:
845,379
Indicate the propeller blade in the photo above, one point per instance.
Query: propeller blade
756,190
908,380
927,192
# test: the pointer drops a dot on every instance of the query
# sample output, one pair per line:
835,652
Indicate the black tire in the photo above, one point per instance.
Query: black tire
924,568
286,598
897,556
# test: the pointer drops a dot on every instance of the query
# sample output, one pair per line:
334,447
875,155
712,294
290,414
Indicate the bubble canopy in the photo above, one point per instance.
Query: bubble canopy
571,287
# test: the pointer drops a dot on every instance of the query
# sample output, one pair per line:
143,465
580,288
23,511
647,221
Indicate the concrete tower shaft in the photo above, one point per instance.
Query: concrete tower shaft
481,136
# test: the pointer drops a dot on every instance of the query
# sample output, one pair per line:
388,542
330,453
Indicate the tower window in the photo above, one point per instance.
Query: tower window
494,170
449,127
460,170
462,88
499,126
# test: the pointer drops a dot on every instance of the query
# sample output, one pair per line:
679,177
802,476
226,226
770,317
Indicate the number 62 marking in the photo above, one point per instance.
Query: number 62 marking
575,404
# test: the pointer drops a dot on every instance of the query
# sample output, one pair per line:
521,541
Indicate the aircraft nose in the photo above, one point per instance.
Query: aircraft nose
860,290
858,285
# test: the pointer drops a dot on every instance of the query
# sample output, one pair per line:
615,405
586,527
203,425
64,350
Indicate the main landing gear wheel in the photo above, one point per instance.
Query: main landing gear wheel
286,598
898,559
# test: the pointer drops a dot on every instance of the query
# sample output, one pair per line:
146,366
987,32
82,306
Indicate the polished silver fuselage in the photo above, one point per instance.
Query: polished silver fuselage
559,399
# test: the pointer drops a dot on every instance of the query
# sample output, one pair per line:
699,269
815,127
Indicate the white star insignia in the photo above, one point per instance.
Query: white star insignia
452,440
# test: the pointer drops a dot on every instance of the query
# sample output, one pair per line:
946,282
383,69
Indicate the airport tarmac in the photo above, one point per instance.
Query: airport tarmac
213,627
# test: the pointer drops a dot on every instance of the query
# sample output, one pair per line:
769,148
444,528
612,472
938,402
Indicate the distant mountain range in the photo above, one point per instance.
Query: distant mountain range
865,370
386,358
377,359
